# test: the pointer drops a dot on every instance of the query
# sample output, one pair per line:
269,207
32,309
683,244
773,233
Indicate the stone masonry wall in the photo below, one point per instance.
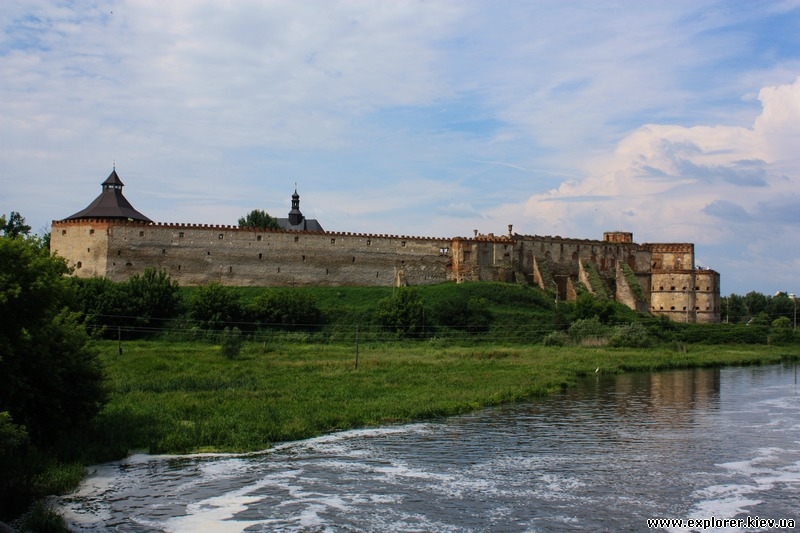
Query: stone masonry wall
707,296
198,254
85,246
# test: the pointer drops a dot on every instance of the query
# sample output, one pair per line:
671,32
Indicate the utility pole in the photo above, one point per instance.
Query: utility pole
794,301
356,346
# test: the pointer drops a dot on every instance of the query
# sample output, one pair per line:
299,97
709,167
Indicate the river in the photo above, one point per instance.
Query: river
606,455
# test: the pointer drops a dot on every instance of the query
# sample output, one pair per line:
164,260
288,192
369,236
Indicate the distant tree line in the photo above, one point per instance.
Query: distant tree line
756,308
152,303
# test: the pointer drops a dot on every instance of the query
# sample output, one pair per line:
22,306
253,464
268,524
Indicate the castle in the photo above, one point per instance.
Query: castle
112,239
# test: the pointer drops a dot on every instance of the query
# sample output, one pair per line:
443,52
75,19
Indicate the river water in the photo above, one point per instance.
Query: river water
604,456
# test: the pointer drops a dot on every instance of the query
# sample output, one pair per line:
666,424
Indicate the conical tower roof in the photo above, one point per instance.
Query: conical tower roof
111,203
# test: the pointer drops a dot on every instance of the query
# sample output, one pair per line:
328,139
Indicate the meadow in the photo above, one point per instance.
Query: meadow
174,389
169,397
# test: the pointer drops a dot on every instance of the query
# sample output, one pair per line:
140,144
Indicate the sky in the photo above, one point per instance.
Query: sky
677,121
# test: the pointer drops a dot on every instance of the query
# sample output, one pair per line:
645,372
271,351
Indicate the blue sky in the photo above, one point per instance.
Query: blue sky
678,121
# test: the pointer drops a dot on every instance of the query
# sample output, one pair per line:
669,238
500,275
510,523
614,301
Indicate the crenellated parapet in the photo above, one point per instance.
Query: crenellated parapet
657,277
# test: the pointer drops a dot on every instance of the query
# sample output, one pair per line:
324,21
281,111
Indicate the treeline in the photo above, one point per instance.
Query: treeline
757,308
153,304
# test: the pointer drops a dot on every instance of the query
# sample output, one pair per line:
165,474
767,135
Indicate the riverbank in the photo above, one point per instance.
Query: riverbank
188,398
720,435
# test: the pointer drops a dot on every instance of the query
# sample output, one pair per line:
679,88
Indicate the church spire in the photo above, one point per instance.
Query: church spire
295,216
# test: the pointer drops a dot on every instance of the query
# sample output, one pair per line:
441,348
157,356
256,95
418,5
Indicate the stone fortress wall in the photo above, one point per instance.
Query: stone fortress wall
659,278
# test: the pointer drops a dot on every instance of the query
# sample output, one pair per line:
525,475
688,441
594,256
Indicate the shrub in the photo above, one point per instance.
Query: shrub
633,335
231,342
588,330
720,333
781,331
286,308
215,306
588,305
471,314
556,338
402,313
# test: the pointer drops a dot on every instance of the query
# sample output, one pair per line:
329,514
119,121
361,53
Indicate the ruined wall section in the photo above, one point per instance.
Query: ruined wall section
484,258
564,258
668,257
624,293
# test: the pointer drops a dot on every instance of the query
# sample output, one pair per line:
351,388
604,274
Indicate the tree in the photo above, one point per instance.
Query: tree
471,314
588,305
402,313
215,306
52,379
761,319
733,308
153,297
102,303
145,301
14,226
259,219
780,305
286,308
755,302
781,331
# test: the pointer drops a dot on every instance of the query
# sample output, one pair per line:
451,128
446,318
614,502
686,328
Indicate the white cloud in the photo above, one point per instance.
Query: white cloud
712,185
411,117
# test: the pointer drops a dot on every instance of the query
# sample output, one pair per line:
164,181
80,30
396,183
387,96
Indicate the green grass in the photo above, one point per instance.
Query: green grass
187,397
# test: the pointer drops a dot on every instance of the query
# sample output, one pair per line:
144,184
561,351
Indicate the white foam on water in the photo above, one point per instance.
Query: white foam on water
309,485
87,507
730,500
216,510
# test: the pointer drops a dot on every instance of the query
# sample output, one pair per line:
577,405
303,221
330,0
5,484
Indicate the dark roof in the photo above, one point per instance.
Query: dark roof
306,224
111,203
296,221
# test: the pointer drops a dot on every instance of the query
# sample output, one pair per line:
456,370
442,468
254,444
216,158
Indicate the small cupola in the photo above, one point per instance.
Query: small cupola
295,216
